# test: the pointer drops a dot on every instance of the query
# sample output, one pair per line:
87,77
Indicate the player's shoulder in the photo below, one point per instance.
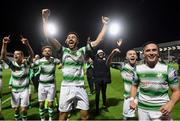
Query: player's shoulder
127,68
140,66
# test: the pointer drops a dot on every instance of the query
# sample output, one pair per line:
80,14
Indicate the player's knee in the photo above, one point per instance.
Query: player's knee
41,105
63,116
84,115
16,109
50,104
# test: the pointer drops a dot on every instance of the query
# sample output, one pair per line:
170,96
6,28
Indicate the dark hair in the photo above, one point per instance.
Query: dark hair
150,42
131,50
46,46
22,53
74,34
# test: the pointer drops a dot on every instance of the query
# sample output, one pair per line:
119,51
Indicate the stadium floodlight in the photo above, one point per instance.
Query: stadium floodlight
160,49
165,49
178,47
52,30
173,48
169,48
115,28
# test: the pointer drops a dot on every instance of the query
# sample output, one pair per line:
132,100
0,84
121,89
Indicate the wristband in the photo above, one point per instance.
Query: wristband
131,98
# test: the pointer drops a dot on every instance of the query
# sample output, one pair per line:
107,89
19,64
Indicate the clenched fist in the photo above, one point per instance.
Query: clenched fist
6,39
105,20
45,13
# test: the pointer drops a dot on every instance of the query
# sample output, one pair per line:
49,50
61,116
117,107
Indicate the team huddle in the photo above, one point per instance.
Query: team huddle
145,86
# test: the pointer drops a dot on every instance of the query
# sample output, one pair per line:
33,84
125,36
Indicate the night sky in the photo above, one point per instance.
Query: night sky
143,20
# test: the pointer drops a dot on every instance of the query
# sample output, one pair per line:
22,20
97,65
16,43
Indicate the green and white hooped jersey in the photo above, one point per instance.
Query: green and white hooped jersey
127,76
154,84
19,75
47,69
73,62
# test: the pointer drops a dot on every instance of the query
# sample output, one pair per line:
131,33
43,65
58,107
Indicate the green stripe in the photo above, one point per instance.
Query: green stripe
174,81
127,70
47,82
152,75
44,63
129,82
149,106
19,78
72,64
72,78
126,94
149,92
66,50
20,87
52,72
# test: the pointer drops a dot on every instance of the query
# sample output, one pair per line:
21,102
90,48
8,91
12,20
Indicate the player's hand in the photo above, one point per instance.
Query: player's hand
133,105
119,42
24,40
166,109
105,20
45,13
6,39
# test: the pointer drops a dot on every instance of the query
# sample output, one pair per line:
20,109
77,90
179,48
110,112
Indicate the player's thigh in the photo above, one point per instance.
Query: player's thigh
15,99
42,94
158,116
143,115
66,99
24,95
82,102
51,93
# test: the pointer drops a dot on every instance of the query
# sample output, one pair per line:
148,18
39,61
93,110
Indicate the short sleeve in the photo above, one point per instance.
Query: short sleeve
135,79
172,77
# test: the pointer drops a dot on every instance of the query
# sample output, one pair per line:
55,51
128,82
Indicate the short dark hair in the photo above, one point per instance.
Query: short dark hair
46,46
22,53
131,50
74,34
150,42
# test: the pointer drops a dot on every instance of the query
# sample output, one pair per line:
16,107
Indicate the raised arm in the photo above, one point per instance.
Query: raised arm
6,40
105,21
109,60
114,51
53,42
30,50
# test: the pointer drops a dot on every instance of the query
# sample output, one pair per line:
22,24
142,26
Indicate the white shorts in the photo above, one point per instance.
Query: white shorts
127,112
46,92
20,98
145,115
73,95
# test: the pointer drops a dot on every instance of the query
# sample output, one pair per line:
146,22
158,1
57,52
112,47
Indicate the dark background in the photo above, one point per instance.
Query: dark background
143,20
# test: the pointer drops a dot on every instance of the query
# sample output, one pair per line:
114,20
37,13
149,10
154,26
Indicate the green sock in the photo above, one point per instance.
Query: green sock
24,115
50,111
41,112
17,115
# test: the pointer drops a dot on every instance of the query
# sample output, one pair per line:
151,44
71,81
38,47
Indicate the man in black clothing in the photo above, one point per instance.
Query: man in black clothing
102,76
